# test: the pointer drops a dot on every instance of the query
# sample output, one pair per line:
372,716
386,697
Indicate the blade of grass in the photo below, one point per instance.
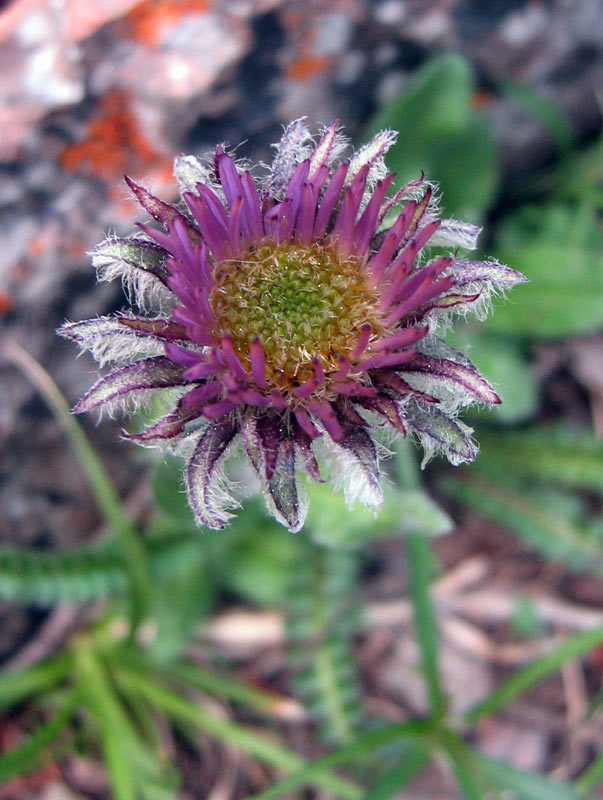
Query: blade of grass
16,686
414,730
104,492
26,758
523,785
573,648
467,772
420,564
396,779
175,706
222,685
115,731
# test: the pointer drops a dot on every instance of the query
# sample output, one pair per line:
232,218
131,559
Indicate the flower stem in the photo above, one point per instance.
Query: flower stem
420,567
107,499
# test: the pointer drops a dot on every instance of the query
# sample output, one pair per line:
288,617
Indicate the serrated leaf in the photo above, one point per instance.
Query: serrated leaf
556,454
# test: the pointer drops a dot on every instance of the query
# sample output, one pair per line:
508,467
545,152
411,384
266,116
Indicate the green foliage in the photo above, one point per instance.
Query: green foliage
558,247
43,578
322,616
442,134
561,455
544,520
405,511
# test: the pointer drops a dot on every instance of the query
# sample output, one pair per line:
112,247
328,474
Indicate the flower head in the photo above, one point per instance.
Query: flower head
295,314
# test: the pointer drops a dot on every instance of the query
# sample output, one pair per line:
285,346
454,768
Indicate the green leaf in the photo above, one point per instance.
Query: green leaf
553,454
31,577
506,368
441,134
416,758
183,710
412,731
524,785
405,511
552,116
17,686
544,522
576,647
558,248
421,566
322,616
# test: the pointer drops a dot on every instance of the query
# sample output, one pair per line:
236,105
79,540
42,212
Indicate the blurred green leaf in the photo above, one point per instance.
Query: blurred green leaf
502,362
169,491
17,686
552,116
441,134
575,647
544,522
558,454
404,511
559,249
524,785
180,602
257,562
413,761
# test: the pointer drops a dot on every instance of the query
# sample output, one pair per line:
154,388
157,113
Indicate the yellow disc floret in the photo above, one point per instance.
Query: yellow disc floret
302,301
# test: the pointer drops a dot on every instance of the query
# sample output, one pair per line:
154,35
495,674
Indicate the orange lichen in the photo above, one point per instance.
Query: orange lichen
149,20
6,304
307,67
114,142
481,99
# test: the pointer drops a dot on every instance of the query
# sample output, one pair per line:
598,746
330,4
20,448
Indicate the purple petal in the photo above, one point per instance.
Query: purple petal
257,363
366,227
354,389
303,444
324,411
219,409
306,424
387,360
160,211
232,360
426,291
200,395
329,201
133,380
401,339
205,493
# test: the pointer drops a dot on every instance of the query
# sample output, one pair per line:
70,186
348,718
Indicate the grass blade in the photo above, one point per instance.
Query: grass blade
17,686
573,648
102,488
420,563
177,707
414,761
